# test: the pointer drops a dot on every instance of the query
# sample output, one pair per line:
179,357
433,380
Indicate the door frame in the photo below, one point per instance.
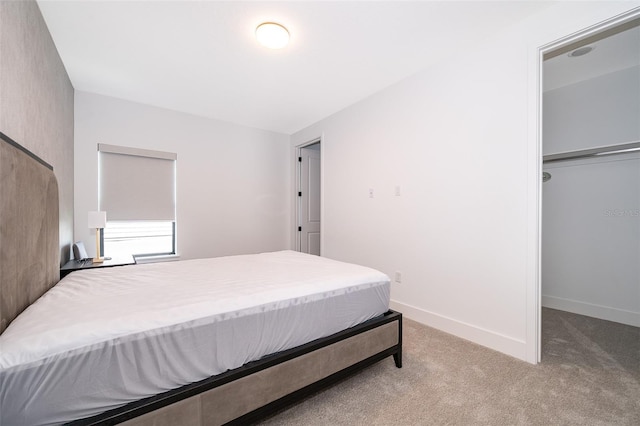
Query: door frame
297,188
601,29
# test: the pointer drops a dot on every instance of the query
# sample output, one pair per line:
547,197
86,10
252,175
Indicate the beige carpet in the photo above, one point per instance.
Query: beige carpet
590,375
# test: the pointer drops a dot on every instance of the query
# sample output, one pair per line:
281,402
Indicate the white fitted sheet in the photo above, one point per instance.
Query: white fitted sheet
102,338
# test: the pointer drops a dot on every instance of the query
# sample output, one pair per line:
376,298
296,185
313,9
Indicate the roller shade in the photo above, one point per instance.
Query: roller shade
136,184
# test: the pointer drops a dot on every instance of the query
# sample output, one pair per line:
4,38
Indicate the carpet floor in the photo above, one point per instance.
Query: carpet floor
589,375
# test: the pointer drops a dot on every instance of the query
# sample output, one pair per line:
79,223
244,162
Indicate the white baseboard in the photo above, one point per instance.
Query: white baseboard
496,341
596,311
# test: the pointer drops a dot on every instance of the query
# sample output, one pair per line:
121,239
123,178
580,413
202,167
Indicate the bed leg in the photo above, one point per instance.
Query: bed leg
397,358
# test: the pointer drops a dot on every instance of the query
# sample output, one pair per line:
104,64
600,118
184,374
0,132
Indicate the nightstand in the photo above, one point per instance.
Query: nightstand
75,265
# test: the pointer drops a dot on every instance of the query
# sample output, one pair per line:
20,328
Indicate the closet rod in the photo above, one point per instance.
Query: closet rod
592,152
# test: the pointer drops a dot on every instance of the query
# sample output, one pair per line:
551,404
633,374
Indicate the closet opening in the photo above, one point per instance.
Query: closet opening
590,232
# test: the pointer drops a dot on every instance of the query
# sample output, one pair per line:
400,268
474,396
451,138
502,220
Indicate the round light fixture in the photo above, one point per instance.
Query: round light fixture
580,51
272,35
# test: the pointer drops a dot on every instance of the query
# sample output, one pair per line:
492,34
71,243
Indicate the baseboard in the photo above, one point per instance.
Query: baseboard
490,339
596,311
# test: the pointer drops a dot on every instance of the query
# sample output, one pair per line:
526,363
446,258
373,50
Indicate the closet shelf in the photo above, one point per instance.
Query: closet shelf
592,152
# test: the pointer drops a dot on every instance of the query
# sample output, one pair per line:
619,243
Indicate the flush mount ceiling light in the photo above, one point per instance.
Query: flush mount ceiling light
580,51
272,35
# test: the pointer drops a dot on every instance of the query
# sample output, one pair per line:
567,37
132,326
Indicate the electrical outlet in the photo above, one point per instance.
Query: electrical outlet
397,192
398,278
370,192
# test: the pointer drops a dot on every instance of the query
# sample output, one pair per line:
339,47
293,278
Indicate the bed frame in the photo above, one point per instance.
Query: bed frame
30,264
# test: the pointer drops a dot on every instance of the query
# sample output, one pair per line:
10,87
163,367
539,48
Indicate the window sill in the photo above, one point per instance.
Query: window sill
159,258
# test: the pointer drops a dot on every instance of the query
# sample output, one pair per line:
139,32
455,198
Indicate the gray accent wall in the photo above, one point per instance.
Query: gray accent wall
36,100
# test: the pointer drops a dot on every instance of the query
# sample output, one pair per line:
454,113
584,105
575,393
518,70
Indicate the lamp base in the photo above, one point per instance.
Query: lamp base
98,259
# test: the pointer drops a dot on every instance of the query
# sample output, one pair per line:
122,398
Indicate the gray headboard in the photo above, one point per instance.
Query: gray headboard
29,247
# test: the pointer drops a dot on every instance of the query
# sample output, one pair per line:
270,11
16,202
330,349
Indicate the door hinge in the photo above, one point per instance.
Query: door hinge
299,159
299,228
299,193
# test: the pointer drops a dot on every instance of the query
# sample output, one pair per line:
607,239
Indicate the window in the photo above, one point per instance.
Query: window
137,190
139,238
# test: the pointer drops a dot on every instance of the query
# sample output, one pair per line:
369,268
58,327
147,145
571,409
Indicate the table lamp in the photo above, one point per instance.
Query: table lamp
97,220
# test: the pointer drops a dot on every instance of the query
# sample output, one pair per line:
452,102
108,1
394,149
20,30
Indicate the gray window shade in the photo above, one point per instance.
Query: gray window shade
137,184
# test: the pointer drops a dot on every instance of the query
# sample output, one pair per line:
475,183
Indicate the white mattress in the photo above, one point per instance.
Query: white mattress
102,338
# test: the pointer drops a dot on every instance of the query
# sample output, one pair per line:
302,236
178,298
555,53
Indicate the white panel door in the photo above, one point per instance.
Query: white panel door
309,195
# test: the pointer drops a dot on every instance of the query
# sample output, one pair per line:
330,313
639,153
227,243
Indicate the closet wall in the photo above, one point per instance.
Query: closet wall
591,207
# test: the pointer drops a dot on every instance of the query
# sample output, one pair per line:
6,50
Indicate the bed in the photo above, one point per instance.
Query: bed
207,341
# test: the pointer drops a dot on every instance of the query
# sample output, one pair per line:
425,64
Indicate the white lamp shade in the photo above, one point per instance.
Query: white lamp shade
97,220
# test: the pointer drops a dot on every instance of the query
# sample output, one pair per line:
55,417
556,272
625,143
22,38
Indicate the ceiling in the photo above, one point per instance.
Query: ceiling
200,57
613,53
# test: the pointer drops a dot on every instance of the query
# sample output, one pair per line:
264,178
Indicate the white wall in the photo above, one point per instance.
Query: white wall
591,207
591,238
233,182
460,139
600,111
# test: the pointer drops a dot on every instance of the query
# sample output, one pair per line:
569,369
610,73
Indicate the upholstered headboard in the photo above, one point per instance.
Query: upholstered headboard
29,248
